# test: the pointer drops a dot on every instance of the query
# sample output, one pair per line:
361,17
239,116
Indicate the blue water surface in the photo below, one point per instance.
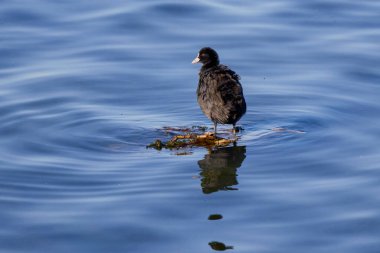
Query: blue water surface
86,85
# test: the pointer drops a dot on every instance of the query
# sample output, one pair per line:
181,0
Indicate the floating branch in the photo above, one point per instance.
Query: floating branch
191,139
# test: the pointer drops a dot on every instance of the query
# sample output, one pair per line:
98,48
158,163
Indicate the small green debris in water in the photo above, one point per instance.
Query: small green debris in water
157,144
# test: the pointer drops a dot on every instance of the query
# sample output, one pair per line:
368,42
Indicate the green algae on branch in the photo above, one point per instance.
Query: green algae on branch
190,140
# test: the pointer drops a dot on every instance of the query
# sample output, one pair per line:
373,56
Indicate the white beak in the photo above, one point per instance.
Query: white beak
196,60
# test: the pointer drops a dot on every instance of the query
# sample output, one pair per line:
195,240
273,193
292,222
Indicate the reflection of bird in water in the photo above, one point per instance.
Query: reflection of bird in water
219,246
219,168
220,94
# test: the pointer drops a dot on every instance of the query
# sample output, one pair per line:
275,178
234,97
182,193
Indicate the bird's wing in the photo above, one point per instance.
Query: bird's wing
228,85
231,93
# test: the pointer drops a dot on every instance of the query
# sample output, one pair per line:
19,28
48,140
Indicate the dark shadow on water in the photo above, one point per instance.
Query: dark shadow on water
219,246
219,167
215,217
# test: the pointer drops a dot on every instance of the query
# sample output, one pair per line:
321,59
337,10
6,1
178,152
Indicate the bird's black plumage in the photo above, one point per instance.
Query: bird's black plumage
220,94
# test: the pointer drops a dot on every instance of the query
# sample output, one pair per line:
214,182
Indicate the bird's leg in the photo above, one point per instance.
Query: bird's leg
215,128
235,130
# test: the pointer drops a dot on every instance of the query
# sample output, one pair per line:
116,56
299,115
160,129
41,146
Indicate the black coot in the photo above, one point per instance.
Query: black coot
220,94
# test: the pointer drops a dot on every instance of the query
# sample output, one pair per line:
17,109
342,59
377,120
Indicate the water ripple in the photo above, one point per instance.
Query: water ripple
86,86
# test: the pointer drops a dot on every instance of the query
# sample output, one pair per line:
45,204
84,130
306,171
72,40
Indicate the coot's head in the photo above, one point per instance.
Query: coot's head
207,56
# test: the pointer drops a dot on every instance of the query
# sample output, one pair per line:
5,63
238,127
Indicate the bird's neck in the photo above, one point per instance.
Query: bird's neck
209,65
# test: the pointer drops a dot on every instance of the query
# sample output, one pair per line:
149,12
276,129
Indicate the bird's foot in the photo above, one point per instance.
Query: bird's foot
236,129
